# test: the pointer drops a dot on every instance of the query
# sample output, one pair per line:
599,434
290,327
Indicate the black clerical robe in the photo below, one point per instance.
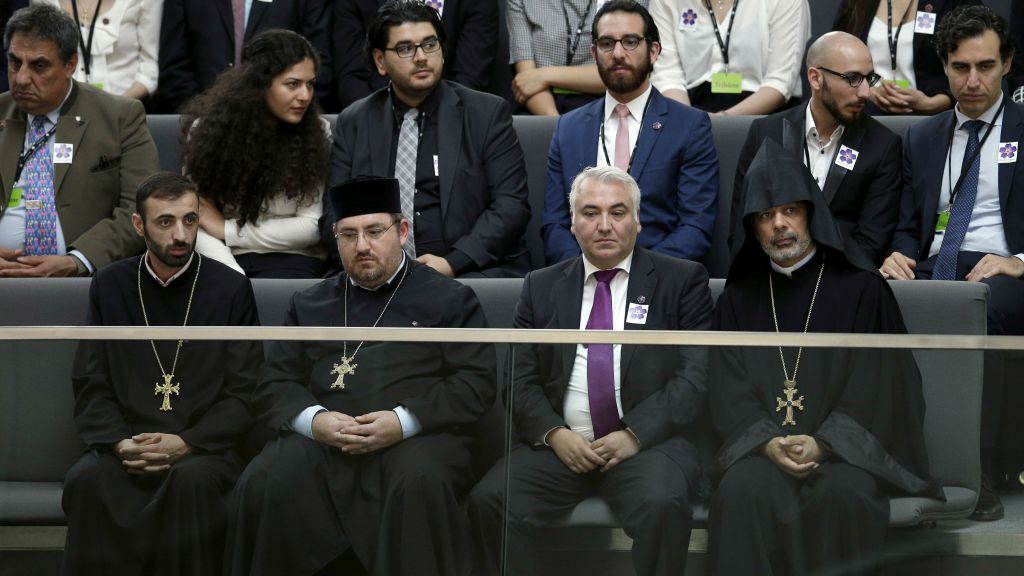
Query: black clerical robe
864,406
168,523
300,504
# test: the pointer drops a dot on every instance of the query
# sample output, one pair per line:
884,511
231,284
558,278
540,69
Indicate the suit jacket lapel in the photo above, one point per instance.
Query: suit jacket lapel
852,136
12,140
450,119
1011,132
642,283
380,129
567,313
223,7
71,127
935,155
793,131
586,140
657,111
255,15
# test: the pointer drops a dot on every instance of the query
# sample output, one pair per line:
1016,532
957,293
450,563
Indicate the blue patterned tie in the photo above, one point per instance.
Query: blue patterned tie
963,207
41,209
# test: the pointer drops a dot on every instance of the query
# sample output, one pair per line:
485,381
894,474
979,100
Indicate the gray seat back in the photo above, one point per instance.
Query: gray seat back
729,133
164,129
534,133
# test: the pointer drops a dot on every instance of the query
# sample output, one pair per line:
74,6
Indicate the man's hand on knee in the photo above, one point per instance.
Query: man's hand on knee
991,265
898,267
574,451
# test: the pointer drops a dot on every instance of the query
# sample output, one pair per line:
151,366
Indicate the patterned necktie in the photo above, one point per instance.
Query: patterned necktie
622,137
963,207
41,209
238,20
405,172
604,413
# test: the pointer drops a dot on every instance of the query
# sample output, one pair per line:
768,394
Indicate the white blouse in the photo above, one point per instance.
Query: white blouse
125,45
878,45
766,46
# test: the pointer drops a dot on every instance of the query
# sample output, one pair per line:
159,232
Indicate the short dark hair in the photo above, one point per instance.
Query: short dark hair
44,22
395,13
631,7
971,22
163,186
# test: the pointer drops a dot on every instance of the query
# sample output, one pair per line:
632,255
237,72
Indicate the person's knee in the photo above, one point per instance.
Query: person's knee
850,491
740,493
487,496
85,477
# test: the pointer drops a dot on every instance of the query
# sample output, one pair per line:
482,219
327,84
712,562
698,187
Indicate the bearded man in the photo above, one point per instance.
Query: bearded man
665,146
854,159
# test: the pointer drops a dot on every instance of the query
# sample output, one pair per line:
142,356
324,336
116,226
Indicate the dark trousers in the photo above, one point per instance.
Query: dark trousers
648,493
276,265
763,521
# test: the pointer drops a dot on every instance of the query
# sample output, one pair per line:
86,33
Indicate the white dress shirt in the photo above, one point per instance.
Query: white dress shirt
611,125
878,45
820,154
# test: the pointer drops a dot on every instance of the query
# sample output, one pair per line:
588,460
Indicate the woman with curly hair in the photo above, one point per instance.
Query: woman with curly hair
257,149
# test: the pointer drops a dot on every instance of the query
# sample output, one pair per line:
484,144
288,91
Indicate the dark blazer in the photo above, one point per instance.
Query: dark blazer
472,46
197,42
924,158
663,388
484,205
675,164
928,71
95,193
864,201
1016,76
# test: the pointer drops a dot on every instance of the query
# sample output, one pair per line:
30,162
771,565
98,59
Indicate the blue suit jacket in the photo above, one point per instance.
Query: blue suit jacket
924,158
675,164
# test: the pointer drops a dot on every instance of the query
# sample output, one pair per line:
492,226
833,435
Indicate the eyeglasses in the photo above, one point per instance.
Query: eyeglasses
854,78
372,234
629,43
407,49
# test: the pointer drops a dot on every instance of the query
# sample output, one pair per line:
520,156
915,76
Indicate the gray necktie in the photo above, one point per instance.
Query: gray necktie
405,171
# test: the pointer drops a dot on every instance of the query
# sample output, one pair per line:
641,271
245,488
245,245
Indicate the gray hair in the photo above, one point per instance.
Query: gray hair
44,22
605,175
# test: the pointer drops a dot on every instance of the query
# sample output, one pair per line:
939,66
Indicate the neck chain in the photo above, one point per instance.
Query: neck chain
166,388
789,384
346,366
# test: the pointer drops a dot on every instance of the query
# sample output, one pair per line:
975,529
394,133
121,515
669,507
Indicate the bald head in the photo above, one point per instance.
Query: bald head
837,50
832,61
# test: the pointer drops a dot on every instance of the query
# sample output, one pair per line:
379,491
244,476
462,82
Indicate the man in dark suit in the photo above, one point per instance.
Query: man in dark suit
664,145
71,156
453,150
617,421
470,54
961,212
198,42
853,158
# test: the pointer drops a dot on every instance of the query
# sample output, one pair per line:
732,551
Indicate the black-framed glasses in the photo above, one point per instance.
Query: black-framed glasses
407,49
629,43
372,233
854,78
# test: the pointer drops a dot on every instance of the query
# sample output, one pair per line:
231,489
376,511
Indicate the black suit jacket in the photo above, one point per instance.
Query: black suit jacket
663,389
864,201
925,148
484,206
197,42
470,53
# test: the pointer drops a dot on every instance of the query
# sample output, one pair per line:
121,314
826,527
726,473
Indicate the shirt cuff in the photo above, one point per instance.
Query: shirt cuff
1019,257
81,257
303,423
410,424
460,262
544,439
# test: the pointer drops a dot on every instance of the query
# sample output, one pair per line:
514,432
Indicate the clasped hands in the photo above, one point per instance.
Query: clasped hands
797,455
14,264
359,434
581,456
150,452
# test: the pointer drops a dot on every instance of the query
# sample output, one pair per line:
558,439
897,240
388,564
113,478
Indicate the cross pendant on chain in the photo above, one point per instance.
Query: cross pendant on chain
789,403
344,368
167,389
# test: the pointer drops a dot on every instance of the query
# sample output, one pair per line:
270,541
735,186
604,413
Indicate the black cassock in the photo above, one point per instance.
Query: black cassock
169,523
300,504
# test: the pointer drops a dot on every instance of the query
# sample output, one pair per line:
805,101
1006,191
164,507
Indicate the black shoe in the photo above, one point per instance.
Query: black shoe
989,506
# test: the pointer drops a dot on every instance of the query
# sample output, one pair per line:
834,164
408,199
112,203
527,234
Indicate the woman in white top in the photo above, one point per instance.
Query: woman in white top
257,149
120,43
731,56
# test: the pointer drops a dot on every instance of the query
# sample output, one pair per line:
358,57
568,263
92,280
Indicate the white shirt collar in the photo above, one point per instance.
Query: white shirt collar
988,116
589,268
53,115
401,265
788,270
175,276
811,128
636,105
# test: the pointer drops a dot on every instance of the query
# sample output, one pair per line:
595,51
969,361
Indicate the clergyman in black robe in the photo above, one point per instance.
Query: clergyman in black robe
371,465
149,494
806,468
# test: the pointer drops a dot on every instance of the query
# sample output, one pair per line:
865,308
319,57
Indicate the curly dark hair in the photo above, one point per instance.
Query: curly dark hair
239,154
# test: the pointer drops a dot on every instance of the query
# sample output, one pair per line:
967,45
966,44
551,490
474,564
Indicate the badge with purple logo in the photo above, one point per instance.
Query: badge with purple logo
847,157
636,314
437,5
1008,152
687,19
924,23
63,153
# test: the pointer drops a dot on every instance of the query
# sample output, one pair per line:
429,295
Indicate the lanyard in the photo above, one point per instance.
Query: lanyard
86,49
723,46
572,41
24,156
894,40
604,146
970,161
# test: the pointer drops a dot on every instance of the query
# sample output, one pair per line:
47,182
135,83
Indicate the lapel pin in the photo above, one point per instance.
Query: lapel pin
78,120
640,299
929,8
656,125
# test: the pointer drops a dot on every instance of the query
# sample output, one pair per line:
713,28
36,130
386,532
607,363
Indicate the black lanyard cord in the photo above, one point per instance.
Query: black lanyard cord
572,41
604,146
894,41
723,46
86,48
970,161
24,156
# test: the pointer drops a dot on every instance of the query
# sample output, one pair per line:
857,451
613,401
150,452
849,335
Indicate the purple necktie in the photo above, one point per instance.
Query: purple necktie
41,207
238,17
604,413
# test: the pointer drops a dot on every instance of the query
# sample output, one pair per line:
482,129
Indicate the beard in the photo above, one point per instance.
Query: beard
800,246
844,118
625,83
163,252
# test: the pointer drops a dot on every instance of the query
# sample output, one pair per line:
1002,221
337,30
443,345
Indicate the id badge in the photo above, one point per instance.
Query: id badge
16,194
942,222
905,84
97,85
726,83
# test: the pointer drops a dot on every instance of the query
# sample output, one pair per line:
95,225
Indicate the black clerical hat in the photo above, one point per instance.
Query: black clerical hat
365,195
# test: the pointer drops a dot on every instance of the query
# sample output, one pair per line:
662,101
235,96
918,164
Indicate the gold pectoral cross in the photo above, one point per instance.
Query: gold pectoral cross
346,367
167,389
789,403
